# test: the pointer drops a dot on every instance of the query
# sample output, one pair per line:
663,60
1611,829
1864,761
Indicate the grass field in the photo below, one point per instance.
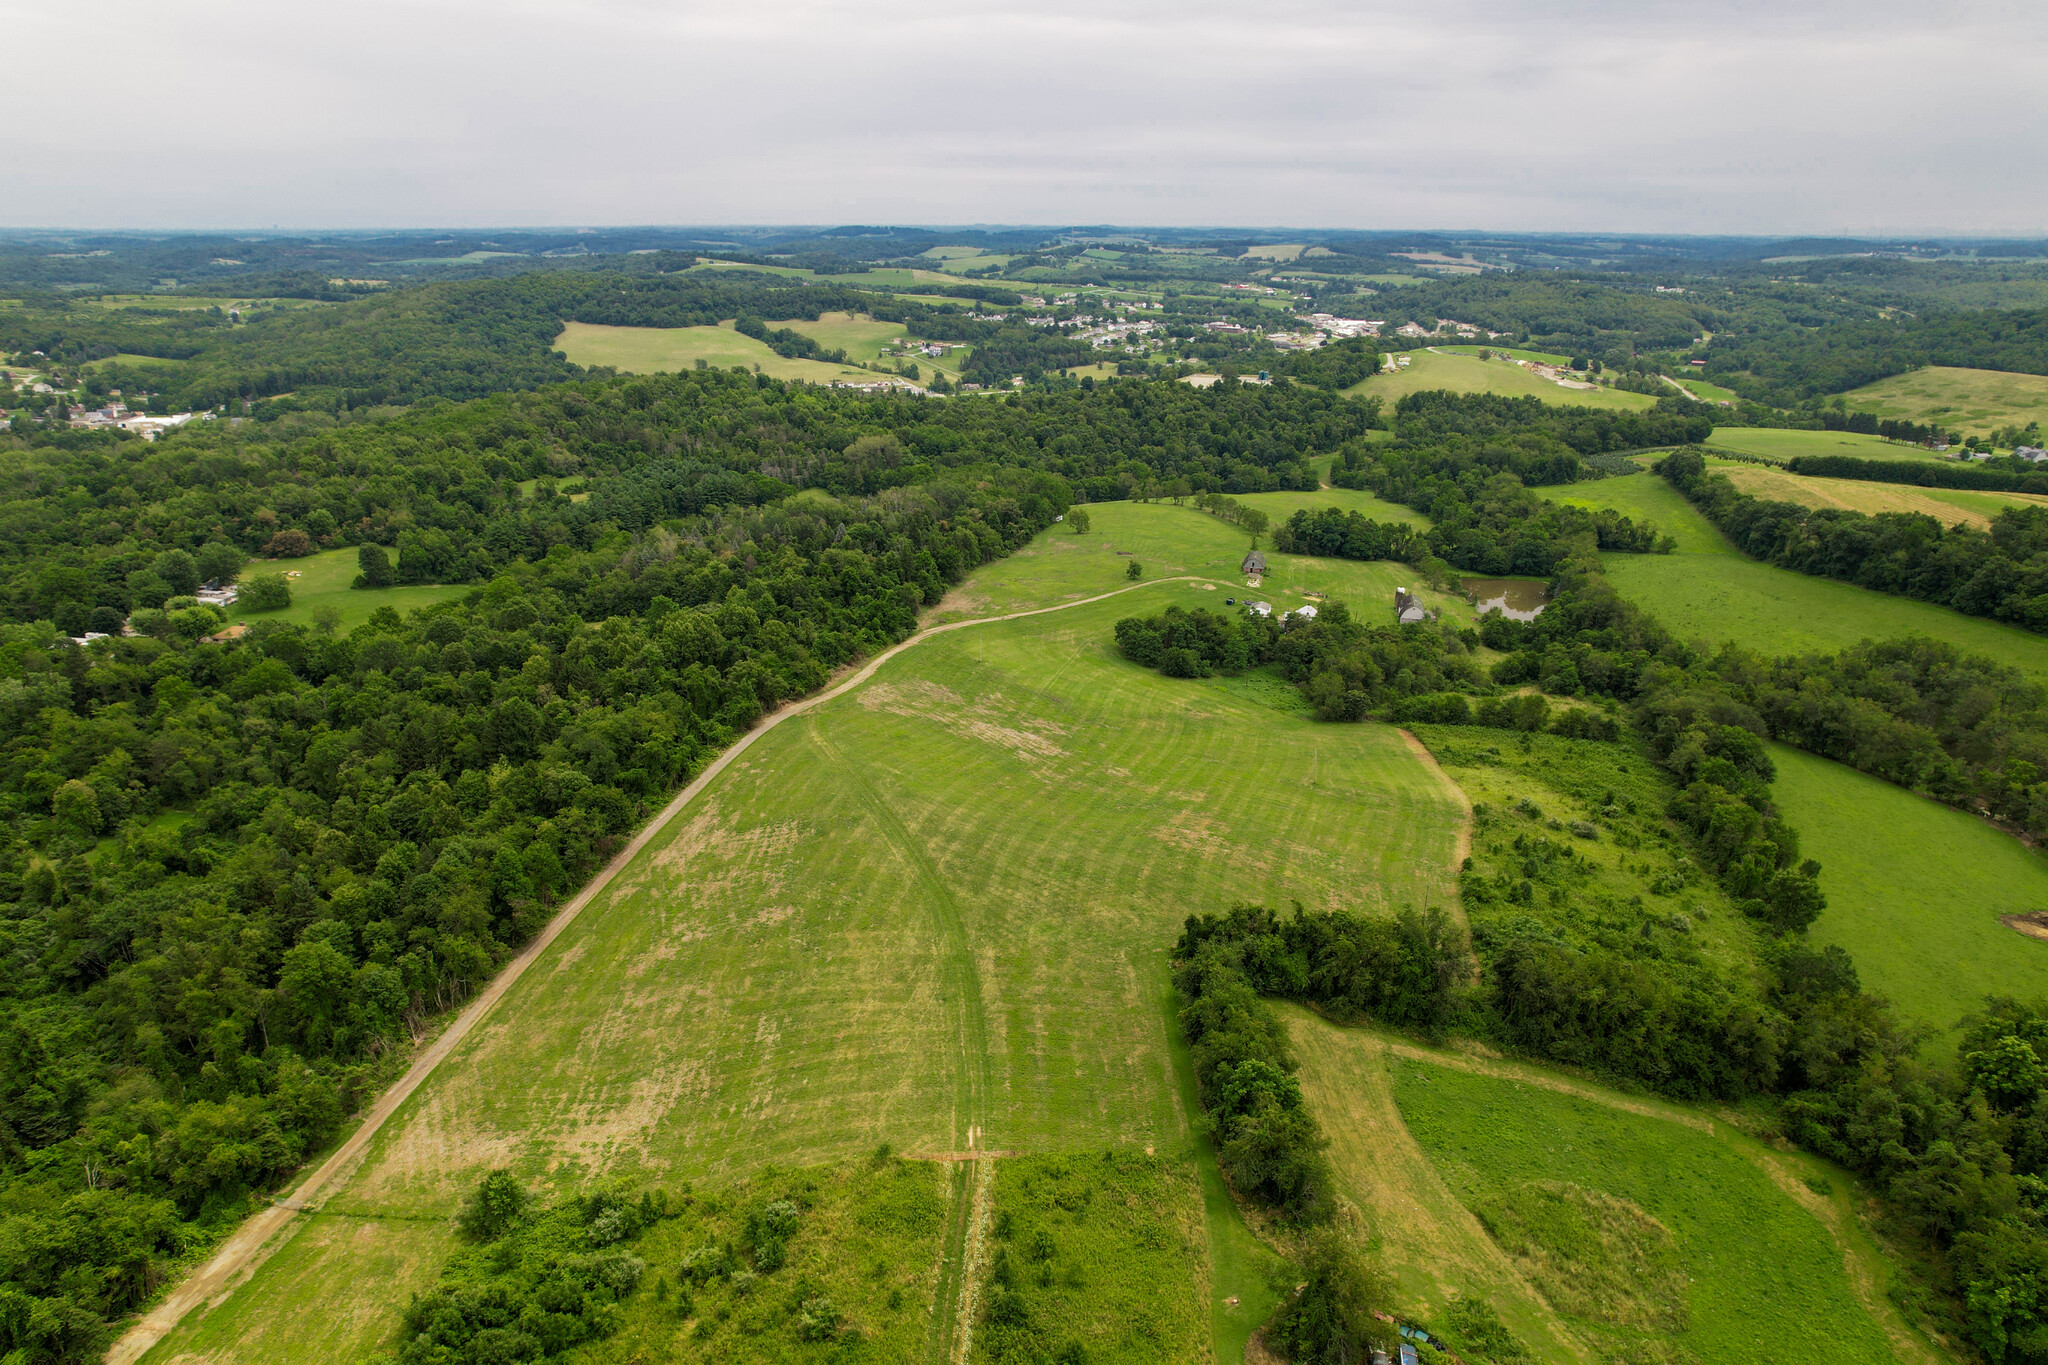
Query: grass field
1975,400
1709,592
1536,357
1431,369
1701,390
1771,443
933,912
324,580
1063,567
1946,505
860,336
1915,891
1642,1223
656,350
1105,1251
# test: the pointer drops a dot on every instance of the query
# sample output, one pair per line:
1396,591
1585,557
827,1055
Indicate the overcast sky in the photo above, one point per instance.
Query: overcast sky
1873,117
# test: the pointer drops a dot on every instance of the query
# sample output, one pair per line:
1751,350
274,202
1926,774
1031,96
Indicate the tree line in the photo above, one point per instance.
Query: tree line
239,874
2001,573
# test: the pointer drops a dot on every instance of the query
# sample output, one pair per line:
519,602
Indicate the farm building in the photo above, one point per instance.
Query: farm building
1259,608
1254,563
1408,609
1305,613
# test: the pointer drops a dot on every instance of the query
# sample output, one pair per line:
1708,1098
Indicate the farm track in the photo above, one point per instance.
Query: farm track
246,1248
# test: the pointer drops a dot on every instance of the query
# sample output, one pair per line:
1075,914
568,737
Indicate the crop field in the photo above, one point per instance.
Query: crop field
1709,592
1770,443
1949,506
1168,541
1432,369
932,912
1978,400
1915,892
323,581
656,350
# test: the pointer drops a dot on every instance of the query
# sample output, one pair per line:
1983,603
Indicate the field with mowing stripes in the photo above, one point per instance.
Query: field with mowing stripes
933,912
656,350
1772,443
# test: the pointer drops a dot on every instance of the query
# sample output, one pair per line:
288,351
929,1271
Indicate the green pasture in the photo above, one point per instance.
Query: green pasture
1104,1250
1710,592
1434,369
1534,357
860,336
1169,541
1641,1228
1915,891
1645,497
1949,506
324,579
1771,443
1977,400
657,350
1707,393
935,910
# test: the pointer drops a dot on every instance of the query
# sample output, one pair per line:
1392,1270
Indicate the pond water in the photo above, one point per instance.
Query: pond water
1518,599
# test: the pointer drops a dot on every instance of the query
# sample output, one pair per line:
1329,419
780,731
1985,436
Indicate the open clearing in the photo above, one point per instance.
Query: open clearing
1949,506
1758,1263
860,336
324,579
1976,400
1060,566
1771,443
1431,369
933,911
1694,1238
1915,891
1709,591
658,350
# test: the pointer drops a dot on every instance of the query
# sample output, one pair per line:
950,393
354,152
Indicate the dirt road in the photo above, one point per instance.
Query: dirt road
244,1251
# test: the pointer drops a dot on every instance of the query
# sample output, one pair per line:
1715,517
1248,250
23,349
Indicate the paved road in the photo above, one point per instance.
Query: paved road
244,1250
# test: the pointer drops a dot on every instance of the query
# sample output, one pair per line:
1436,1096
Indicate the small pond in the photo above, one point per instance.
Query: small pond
1518,599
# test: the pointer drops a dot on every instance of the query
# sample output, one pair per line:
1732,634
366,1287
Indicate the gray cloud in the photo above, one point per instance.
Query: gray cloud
1708,117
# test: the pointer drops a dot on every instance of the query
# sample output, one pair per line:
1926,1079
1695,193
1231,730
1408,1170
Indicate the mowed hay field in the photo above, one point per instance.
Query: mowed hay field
1915,893
1429,369
1949,506
1770,443
1710,592
1976,400
933,912
657,350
